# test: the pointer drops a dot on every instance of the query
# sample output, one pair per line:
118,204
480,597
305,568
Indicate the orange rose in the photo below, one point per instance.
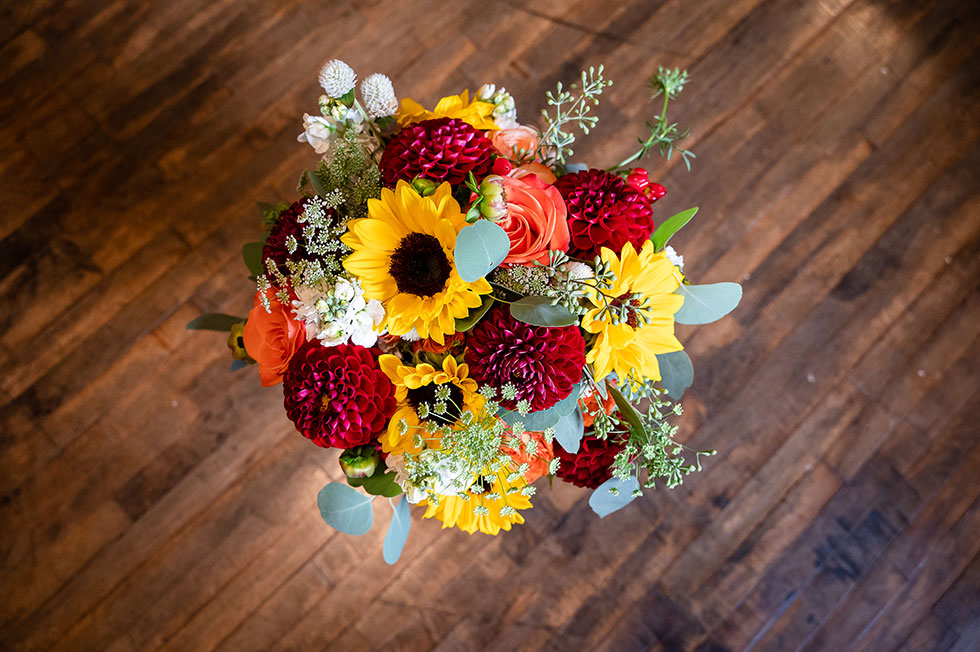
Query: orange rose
516,143
271,338
536,220
540,170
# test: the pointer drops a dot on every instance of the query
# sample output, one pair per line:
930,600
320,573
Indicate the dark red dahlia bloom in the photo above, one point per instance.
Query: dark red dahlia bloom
591,465
542,363
603,211
444,149
275,244
337,395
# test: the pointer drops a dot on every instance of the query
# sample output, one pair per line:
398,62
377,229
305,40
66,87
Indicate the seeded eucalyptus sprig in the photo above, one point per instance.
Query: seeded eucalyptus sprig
663,135
572,107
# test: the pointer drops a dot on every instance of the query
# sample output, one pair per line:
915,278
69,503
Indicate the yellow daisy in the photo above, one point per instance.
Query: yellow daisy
634,320
490,506
403,256
415,385
476,113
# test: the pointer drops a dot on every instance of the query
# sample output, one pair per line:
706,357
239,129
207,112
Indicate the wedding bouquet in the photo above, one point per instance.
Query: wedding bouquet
463,310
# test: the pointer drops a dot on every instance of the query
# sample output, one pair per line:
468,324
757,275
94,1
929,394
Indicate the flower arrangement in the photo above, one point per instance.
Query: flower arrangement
463,310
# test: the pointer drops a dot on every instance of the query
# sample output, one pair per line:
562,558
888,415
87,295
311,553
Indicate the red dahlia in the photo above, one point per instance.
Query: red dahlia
542,363
603,211
444,149
591,465
275,244
337,395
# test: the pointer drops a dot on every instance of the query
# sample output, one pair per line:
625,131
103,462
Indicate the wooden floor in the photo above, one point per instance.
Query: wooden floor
151,500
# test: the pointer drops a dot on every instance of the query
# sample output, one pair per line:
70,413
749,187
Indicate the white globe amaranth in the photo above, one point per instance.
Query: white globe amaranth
337,78
379,96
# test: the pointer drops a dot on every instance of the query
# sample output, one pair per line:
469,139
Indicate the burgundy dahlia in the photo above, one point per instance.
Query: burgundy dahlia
542,363
603,211
591,465
337,395
444,149
275,244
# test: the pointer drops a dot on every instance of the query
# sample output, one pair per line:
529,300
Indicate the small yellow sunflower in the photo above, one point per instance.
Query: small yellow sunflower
403,256
634,320
490,506
477,114
415,385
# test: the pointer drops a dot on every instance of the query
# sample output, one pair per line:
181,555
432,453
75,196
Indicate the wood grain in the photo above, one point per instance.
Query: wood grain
152,501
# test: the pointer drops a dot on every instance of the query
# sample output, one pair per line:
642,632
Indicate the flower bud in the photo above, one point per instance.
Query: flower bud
236,342
424,187
493,204
638,179
359,462
502,166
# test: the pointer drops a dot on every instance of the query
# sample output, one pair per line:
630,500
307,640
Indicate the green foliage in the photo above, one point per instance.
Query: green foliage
252,255
464,324
662,135
670,226
569,430
480,248
613,495
542,311
379,483
704,304
346,510
572,108
397,534
270,212
676,372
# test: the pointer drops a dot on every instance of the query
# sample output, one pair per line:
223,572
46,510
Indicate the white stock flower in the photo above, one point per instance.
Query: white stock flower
317,132
338,314
379,96
337,78
505,109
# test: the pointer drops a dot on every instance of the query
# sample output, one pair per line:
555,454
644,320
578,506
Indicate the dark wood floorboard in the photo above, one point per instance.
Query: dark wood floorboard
152,501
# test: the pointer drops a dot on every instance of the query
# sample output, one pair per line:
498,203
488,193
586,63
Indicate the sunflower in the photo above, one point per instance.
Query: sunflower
490,505
634,319
415,385
403,256
476,113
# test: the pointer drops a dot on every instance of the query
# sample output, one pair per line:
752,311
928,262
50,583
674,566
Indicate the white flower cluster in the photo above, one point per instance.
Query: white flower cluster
505,109
338,313
675,258
341,112
337,78
430,472
379,96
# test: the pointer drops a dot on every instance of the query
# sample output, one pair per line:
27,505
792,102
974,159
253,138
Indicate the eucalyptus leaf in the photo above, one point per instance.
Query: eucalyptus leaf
627,410
238,364
345,509
704,304
480,247
605,503
539,311
569,430
676,372
576,167
252,255
398,529
670,226
214,321
464,324
538,421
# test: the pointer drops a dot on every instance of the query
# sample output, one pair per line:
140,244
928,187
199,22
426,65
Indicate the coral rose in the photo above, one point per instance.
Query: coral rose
536,220
516,143
271,338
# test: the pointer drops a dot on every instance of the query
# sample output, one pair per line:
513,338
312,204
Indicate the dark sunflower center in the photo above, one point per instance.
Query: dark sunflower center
427,394
419,265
